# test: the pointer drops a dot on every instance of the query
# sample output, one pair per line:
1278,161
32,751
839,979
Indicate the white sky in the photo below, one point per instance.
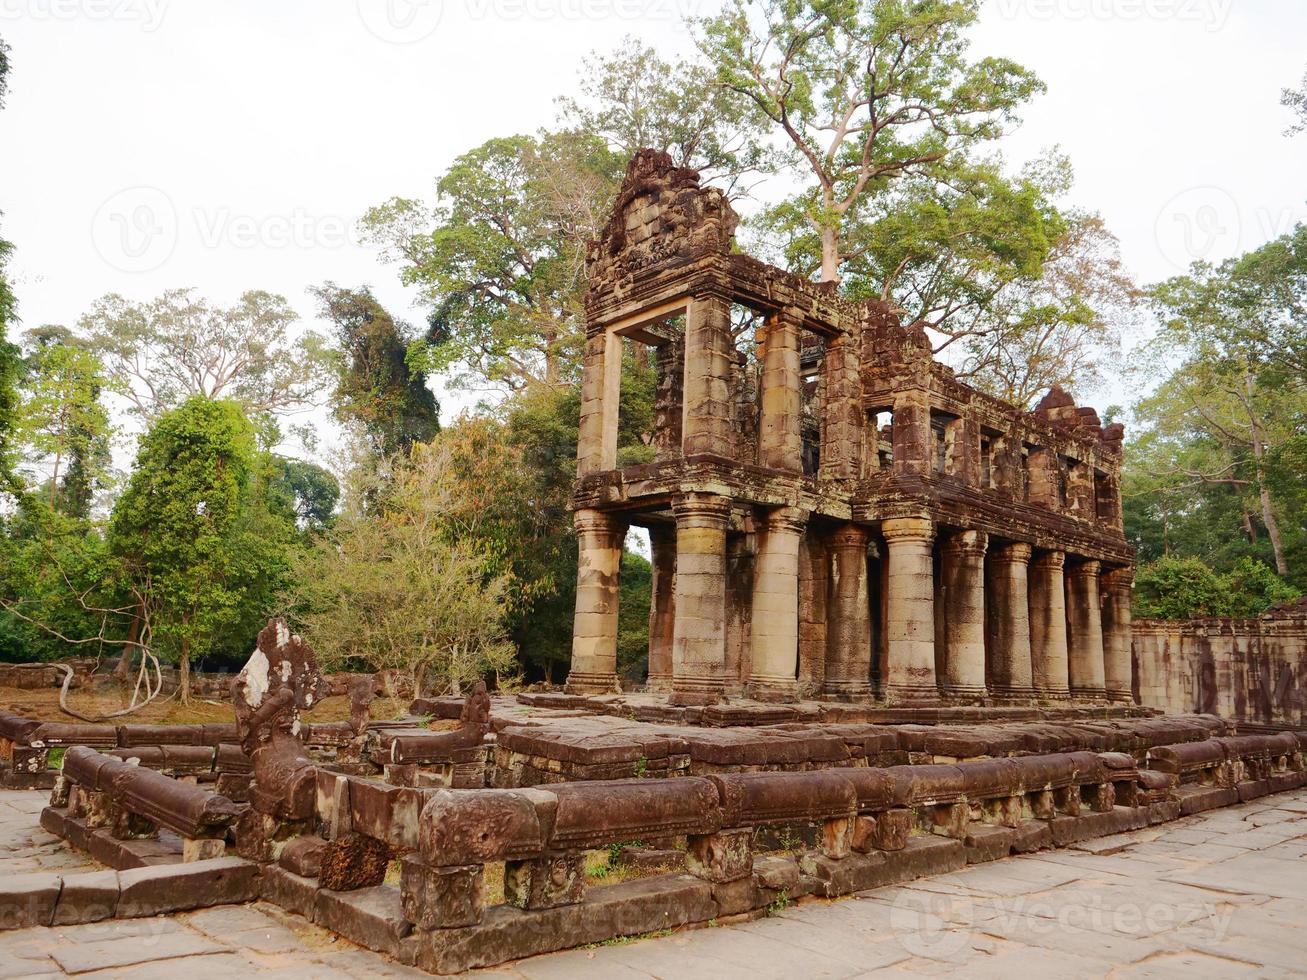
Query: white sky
255,132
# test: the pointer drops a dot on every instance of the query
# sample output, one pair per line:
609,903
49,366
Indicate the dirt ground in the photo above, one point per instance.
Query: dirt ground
43,705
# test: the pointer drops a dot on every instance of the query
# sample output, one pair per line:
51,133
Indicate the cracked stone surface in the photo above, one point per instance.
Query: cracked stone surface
1221,894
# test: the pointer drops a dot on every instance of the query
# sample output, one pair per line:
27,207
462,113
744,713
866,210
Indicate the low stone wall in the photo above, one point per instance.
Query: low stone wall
1250,671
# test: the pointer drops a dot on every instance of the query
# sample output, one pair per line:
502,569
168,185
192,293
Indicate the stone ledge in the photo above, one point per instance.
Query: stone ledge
181,887
28,900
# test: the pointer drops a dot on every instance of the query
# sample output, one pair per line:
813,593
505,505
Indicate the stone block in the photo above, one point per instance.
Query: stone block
303,856
723,856
545,882
985,843
631,908
442,898
179,887
1251,789
28,900
87,897
1031,836
736,897
292,892
371,917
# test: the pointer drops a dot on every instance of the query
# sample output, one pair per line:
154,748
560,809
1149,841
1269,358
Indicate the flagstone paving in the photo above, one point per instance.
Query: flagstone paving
1222,894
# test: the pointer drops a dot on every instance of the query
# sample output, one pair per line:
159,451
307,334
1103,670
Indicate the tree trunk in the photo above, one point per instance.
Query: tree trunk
124,667
419,680
830,254
1249,528
184,674
1259,451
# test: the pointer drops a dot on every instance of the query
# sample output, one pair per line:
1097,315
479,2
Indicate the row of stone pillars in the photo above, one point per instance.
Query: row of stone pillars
1030,626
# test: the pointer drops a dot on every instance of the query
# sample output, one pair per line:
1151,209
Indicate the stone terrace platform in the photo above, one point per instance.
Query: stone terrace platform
1218,894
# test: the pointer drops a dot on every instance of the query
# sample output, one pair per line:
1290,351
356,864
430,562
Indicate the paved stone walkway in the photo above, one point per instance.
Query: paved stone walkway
1222,894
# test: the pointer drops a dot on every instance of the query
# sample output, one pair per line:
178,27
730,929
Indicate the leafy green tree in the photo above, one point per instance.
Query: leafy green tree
1295,99
1178,588
9,362
376,389
304,491
178,346
1232,397
64,427
392,588
634,99
866,93
500,256
197,542
1184,588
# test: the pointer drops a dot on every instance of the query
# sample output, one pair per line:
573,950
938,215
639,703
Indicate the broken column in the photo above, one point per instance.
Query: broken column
963,574
1116,586
775,626
848,658
662,607
910,625
1085,630
594,637
1010,667
1048,650
699,631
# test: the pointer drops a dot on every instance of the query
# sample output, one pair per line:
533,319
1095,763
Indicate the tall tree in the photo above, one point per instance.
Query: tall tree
391,587
376,388
1295,99
63,425
500,256
634,99
178,346
1232,399
196,540
866,92
9,363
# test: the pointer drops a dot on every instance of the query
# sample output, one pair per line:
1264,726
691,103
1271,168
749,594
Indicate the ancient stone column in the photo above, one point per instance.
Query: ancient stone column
1117,585
775,626
1085,630
594,633
963,572
699,631
706,426
848,650
910,616
1009,632
842,412
780,445
601,374
1048,651
662,607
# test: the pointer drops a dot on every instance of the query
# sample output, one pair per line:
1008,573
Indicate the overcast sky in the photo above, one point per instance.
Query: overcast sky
232,144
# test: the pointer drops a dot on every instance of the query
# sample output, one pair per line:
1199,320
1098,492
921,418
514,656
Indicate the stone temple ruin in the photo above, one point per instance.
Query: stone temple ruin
836,521
831,512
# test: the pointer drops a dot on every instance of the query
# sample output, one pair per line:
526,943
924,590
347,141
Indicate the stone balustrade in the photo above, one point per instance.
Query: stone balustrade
132,802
